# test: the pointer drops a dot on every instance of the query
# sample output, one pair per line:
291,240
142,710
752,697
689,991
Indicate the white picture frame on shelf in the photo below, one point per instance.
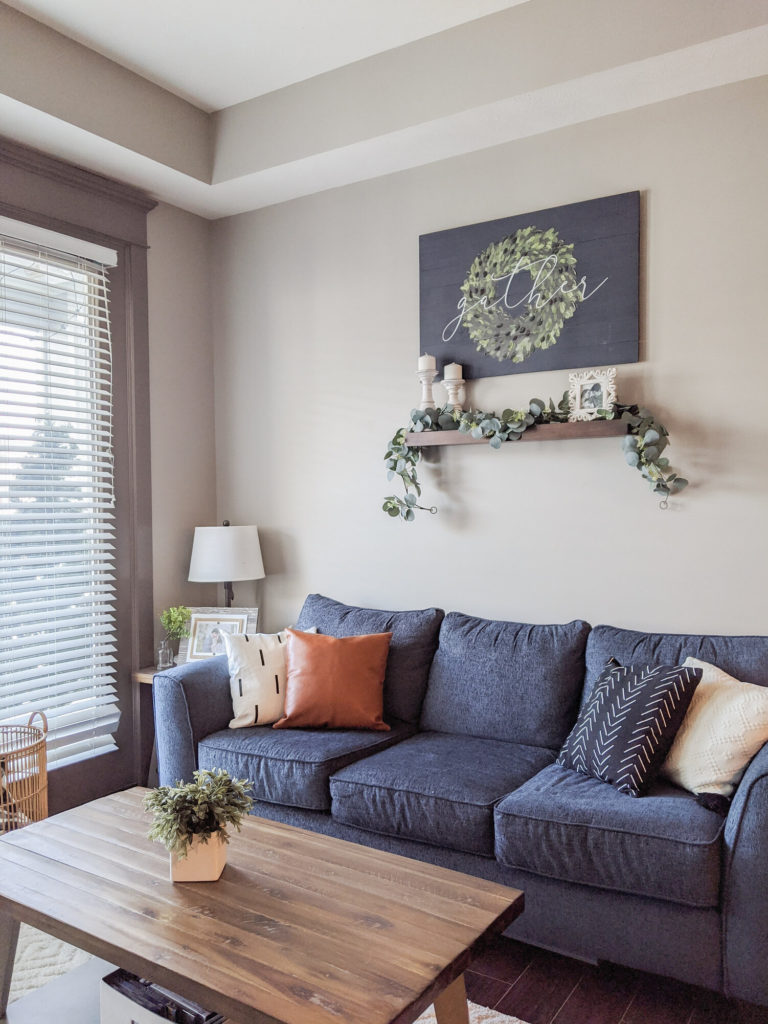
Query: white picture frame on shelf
206,626
588,392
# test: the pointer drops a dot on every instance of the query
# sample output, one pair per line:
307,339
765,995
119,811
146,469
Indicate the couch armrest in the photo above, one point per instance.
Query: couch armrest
190,702
745,887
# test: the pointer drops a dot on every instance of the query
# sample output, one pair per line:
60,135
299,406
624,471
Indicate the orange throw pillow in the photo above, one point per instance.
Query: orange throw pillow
334,682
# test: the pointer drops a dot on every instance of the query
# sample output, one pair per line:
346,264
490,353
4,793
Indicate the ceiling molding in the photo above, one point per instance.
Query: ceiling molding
348,146
696,69
49,72
49,167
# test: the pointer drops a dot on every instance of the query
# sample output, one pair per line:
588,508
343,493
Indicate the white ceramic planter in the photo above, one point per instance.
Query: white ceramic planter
204,861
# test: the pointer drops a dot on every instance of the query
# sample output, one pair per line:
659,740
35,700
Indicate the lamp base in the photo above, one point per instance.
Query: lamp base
229,594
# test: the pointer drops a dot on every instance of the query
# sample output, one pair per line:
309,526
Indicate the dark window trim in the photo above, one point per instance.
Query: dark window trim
42,190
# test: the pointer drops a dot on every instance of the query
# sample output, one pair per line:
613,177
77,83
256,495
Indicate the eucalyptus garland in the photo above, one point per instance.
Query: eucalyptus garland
554,294
643,445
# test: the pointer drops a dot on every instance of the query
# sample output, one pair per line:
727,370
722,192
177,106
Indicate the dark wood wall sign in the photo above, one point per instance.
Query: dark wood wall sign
550,290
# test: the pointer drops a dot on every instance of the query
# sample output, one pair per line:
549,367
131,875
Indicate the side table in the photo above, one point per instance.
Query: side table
146,770
144,675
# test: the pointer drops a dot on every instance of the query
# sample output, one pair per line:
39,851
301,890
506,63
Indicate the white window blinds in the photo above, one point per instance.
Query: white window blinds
57,623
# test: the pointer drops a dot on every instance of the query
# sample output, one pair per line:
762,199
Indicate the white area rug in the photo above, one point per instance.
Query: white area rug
477,1015
40,958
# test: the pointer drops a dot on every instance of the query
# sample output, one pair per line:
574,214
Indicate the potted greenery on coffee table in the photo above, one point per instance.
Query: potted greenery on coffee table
191,820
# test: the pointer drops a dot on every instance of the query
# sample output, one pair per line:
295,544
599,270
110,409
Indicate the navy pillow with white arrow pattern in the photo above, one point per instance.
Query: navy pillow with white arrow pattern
627,726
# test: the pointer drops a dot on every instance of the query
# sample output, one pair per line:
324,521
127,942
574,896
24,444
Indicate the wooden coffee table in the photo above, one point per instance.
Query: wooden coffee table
300,929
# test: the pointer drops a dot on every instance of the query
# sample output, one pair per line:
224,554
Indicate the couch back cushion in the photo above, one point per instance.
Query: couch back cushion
745,657
506,680
413,644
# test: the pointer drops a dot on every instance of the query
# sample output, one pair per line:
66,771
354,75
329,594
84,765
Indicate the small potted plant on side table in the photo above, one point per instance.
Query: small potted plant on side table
175,622
191,819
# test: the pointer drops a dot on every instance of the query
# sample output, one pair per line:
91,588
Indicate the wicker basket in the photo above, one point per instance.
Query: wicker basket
23,774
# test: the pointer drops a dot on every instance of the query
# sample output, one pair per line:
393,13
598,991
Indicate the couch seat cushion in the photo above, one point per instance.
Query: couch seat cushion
566,825
292,766
434,788
414,640
506,680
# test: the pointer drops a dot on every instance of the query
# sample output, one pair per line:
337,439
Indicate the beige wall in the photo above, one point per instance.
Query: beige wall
316,313
181,401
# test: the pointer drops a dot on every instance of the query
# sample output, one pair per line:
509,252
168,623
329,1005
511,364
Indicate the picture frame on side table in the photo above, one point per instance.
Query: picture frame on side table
206,626
589,391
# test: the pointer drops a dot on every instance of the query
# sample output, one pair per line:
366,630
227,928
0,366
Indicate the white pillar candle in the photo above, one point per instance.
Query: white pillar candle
452,371
427,363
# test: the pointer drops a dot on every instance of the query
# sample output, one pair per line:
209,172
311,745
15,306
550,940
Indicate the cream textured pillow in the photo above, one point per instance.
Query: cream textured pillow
725,726
257,676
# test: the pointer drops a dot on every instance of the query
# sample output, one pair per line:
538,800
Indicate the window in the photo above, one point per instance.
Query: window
100,636
57,574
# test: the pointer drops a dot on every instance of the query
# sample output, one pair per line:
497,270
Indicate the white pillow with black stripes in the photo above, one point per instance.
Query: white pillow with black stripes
257,676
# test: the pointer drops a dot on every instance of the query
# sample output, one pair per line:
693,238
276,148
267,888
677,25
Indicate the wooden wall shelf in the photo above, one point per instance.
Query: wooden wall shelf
542,432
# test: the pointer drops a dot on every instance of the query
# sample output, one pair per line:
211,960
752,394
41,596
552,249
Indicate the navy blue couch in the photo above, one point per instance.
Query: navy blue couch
466,779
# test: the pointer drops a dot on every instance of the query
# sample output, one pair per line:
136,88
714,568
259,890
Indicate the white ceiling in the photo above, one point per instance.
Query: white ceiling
219,54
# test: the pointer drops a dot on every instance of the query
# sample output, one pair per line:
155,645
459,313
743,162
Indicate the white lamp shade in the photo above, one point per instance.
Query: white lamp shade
225,554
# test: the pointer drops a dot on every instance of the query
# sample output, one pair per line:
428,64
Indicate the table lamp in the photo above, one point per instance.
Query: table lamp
223,554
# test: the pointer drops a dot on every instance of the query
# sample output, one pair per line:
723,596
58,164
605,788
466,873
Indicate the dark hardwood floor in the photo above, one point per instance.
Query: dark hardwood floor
545,988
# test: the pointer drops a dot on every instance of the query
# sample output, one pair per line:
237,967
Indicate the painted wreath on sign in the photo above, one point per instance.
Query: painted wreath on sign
490,315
